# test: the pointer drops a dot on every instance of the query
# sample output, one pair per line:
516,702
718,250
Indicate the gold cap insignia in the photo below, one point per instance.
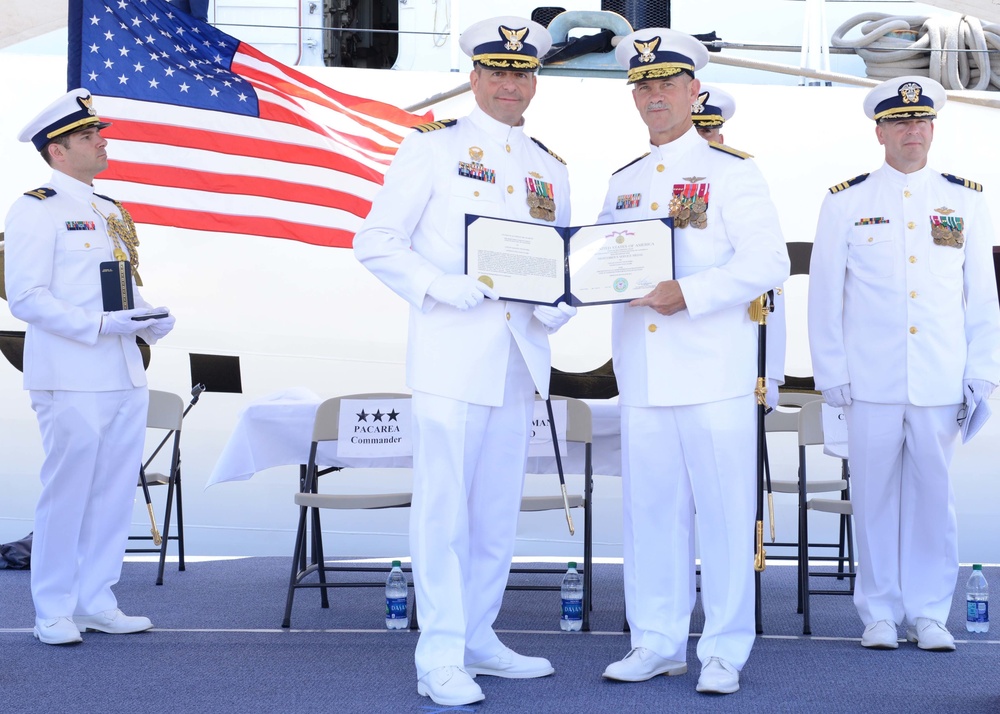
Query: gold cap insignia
87,103
699,105
646,49
514,37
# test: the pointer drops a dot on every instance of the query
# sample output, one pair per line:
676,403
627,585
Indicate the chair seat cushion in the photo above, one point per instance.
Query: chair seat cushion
811,486
360,501
549,503
830,505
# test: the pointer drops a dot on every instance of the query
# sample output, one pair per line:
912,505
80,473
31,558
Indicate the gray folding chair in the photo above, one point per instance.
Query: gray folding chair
785,419
579,430
811,434
165,413
310,501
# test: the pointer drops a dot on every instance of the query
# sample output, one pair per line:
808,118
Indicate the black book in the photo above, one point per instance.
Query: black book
116,285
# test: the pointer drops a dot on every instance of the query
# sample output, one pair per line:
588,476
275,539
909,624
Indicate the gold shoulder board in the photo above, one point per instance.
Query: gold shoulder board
964,182
847,184
730,150
435,125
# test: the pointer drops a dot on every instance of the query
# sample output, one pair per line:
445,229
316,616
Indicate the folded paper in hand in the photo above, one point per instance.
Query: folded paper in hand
972,415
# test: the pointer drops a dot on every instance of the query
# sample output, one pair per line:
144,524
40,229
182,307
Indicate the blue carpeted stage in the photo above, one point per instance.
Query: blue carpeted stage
218,648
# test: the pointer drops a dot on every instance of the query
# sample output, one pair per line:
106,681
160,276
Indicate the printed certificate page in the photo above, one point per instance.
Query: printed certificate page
520,261
618,262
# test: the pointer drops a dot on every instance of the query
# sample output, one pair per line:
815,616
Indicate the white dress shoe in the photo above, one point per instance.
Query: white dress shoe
512,665
641,664
113,622
930,635
718,677
57,631
450,687
880,635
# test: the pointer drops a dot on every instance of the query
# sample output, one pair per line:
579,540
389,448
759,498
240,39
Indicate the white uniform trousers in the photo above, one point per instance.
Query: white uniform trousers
676,460
93,445
468,476
904,509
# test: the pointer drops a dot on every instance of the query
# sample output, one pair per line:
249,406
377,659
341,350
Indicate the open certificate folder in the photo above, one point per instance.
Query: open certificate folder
585,265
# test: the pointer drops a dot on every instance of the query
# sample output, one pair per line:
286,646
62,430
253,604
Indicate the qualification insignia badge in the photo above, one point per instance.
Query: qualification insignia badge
947,230
541,199
475,153
689,205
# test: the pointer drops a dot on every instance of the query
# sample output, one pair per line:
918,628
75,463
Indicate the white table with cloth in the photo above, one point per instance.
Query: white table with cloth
276,430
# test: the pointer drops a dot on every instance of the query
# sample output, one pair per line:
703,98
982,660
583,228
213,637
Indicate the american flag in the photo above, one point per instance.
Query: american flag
210,134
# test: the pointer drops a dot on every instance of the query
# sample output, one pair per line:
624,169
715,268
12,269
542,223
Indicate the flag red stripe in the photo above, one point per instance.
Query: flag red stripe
362,105
207,140
173,177
292,94
243,225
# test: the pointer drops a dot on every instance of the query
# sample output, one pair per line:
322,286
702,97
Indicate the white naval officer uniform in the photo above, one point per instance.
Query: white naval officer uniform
903,320
88,391
473,373
686,385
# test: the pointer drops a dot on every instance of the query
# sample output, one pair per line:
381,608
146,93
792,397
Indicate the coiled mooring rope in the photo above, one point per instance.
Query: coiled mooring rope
959,52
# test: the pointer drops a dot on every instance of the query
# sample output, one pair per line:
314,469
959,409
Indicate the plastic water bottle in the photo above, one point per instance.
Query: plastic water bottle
977,596
395,598
572,600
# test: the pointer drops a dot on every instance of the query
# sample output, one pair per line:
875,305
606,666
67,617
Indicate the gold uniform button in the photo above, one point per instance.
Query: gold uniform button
906,194
913,293
913,259
777,291
510,189
475,193
660,167
652,328
508,148
86,245
913,330
911,225
870,239
508,316
654,206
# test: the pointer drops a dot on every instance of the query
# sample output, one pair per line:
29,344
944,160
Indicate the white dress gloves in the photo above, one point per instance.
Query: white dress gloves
120,322
838,396
159,328
460,291
554,317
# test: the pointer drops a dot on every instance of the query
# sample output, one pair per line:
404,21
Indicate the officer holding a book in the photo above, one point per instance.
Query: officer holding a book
83,370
